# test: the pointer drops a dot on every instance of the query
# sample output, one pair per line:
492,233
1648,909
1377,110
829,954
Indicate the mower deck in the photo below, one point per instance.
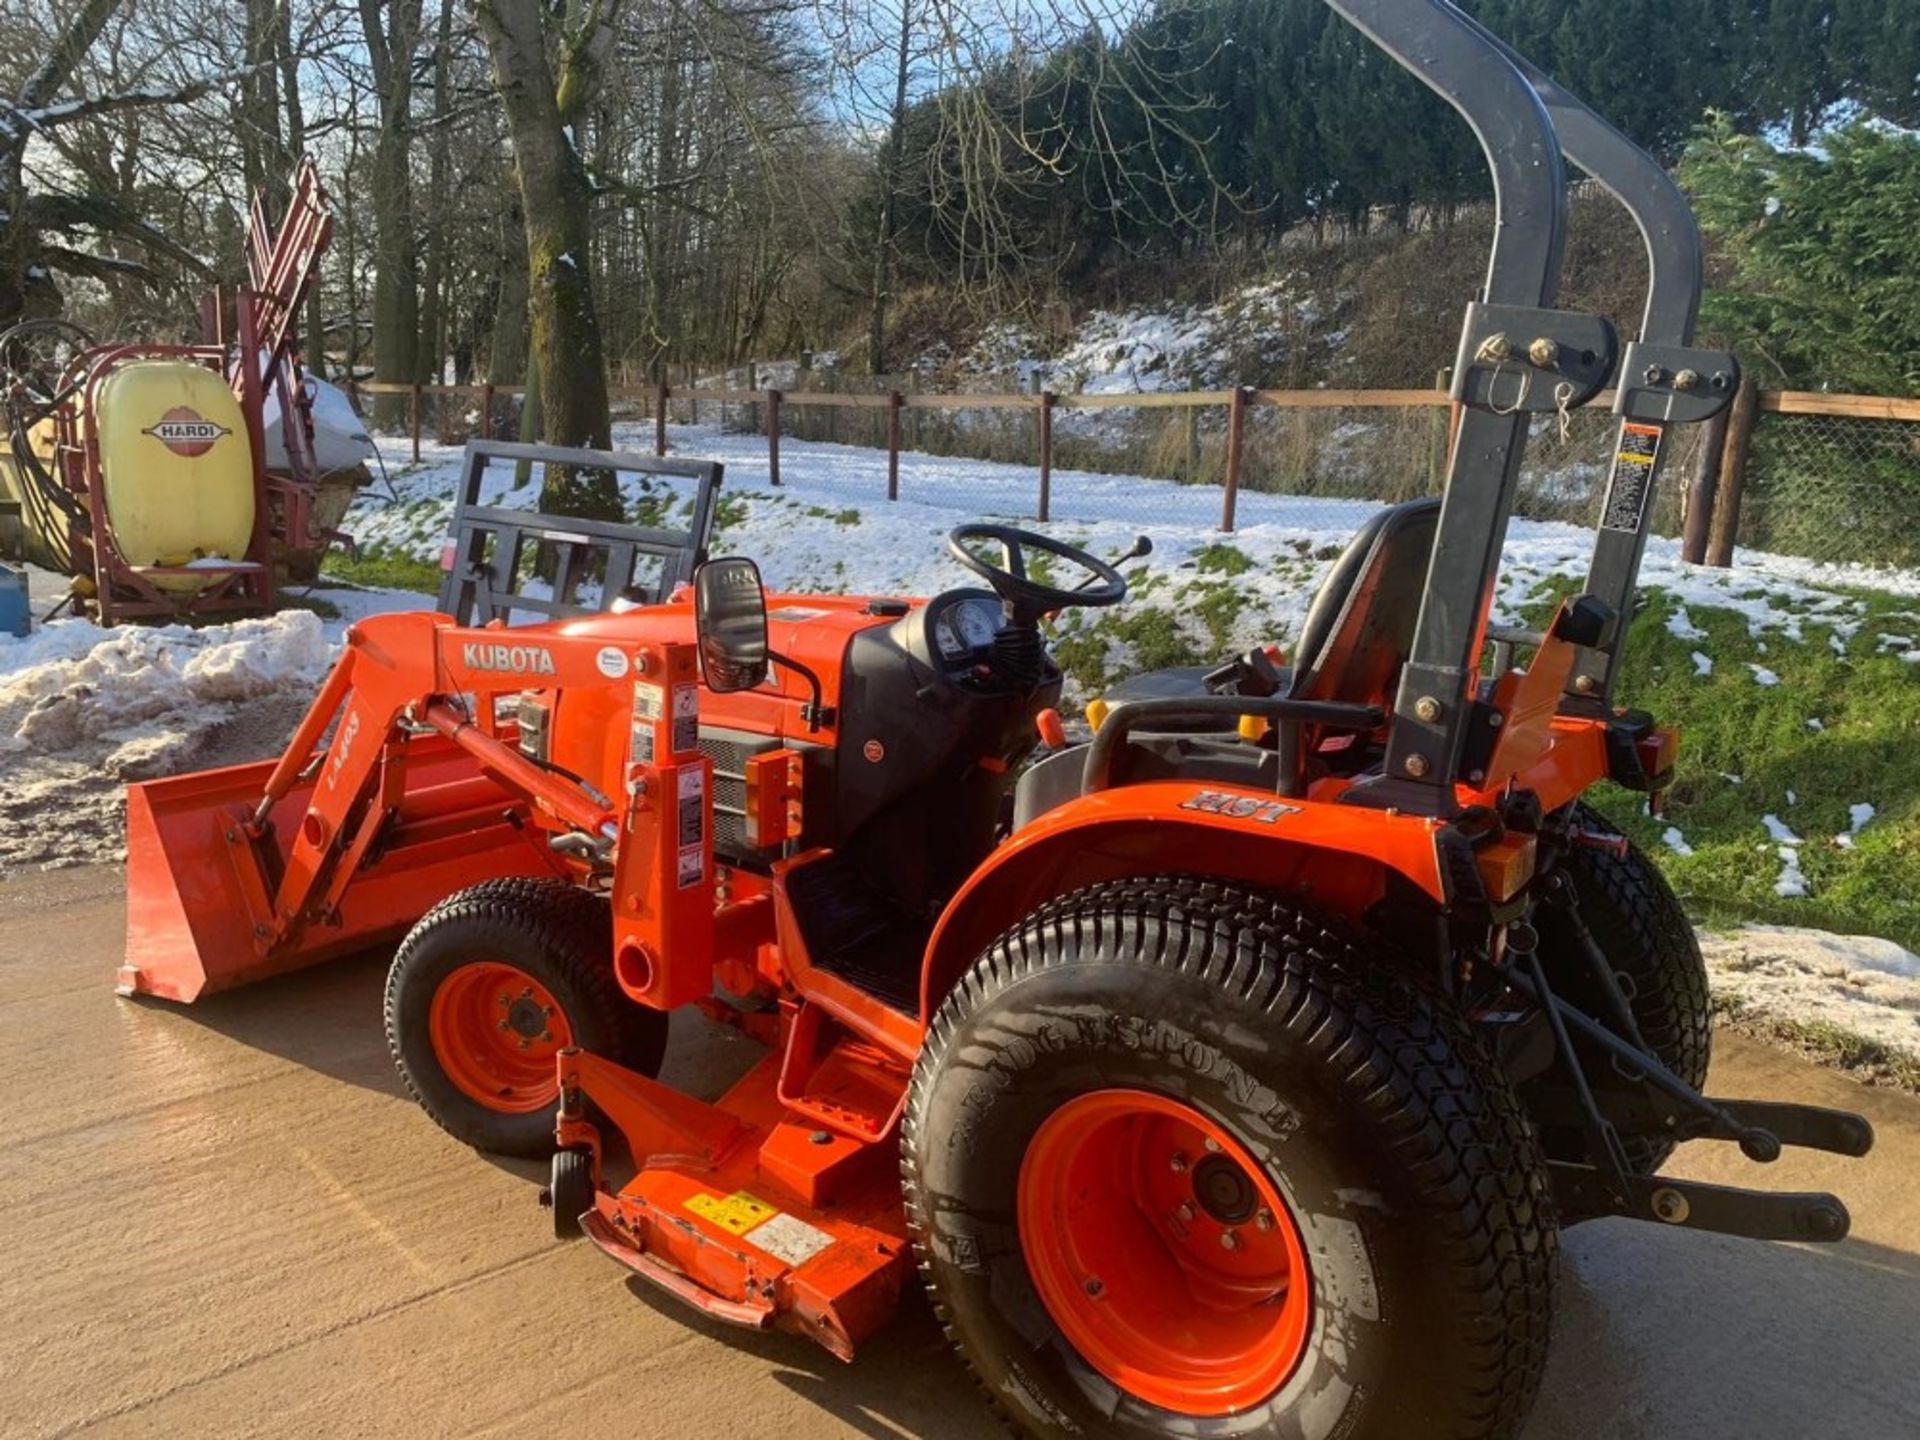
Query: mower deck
749,1215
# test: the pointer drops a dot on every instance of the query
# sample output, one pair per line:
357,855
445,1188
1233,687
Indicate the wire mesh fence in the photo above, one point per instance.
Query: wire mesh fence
1830,478
1835,488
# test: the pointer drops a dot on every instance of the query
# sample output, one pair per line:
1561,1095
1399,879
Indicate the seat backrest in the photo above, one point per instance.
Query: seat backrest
1360,630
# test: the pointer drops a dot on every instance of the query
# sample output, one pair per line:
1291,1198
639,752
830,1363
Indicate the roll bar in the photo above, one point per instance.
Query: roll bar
1519,357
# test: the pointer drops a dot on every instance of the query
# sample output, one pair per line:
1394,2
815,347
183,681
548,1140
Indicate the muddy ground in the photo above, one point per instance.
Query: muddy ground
227,1220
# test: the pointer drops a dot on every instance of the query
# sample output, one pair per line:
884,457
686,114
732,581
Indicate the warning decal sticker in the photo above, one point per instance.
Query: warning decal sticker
686,718
789,1238
691,796
736,1214
648,703
1630,486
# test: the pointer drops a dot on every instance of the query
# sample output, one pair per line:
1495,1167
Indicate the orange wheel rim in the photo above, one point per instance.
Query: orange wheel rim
495,1030
1163,1252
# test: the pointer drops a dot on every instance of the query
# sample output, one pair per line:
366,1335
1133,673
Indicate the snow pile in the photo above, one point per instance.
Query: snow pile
1864,986
85,710
142,701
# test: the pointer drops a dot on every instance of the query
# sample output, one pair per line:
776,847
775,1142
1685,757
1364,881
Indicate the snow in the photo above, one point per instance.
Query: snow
1779,831
145,697
85,709
1866,986
1762,675
1143,351
1675,841
1792,884
1858,818
1680,625
1815,723
1702,663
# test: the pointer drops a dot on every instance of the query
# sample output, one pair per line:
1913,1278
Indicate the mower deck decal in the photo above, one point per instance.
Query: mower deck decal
736,1214
789,1238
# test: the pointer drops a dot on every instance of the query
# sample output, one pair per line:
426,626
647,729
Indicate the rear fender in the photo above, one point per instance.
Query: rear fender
1341,854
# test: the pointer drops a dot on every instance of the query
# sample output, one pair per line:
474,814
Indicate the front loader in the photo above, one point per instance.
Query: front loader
1231,1073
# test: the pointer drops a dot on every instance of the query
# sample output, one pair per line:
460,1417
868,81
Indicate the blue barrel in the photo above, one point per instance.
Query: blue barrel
13,602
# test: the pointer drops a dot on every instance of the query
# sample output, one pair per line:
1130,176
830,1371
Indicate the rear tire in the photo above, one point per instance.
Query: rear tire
487,987
1364,1105
1637,922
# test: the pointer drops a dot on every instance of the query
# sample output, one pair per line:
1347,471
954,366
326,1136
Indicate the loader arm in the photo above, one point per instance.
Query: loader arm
399,786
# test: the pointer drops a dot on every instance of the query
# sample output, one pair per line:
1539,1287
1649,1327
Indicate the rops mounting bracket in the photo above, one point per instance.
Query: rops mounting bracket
1674,384
1519,359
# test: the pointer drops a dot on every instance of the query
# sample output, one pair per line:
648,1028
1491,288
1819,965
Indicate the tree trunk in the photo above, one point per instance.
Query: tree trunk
433,309
396,297
507,345
556,200
889,187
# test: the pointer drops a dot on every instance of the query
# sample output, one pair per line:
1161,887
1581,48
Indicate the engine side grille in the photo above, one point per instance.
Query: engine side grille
729,750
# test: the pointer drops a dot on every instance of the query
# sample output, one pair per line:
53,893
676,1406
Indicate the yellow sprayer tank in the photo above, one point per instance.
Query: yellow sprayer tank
176,467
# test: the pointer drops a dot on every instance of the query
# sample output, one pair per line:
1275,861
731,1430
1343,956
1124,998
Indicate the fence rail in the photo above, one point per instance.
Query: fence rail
1830,477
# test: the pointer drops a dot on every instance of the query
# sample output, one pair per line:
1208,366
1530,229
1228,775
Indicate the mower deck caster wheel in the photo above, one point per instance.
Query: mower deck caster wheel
570,1192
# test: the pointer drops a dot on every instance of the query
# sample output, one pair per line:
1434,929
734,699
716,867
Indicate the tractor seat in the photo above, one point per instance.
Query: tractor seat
1358,633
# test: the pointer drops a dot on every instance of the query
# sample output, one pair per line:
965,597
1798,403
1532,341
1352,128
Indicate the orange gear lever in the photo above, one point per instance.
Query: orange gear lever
1053,734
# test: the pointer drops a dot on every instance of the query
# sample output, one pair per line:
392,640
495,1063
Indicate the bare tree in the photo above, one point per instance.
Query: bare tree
44,231
391,30
545,101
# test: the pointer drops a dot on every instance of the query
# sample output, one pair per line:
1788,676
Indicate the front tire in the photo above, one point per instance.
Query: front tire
1145,1065
487,988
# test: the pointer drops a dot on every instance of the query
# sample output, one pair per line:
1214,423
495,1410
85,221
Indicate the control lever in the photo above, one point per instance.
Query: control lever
1141,548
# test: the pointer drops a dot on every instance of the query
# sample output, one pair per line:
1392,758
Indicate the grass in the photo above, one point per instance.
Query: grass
1865,697
385,569
1867,701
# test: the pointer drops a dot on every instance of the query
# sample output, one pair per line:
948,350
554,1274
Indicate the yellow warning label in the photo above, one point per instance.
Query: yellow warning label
736,1214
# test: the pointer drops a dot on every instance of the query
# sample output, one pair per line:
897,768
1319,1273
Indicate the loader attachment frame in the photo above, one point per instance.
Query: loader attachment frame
487,544
400,786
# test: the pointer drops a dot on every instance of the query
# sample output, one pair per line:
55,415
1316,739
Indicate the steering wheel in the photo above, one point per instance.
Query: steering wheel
1028,599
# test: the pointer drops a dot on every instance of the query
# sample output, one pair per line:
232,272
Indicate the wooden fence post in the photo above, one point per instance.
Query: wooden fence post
773,435
1702,487
1236,434
1047,397
413,419
1733,475
486,411
1441,433
660,393
894,401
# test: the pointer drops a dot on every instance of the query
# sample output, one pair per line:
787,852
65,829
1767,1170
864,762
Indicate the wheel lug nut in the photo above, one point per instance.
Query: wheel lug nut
1178,1164
1093,1286
504,1025
1229,1240
1264,1220
1213,1145
1183,1212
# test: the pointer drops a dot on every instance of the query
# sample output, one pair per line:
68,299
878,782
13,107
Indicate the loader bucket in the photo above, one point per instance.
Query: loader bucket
201,888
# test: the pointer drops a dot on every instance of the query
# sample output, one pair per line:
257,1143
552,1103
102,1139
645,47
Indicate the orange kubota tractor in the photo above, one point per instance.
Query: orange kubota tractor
1230,1074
